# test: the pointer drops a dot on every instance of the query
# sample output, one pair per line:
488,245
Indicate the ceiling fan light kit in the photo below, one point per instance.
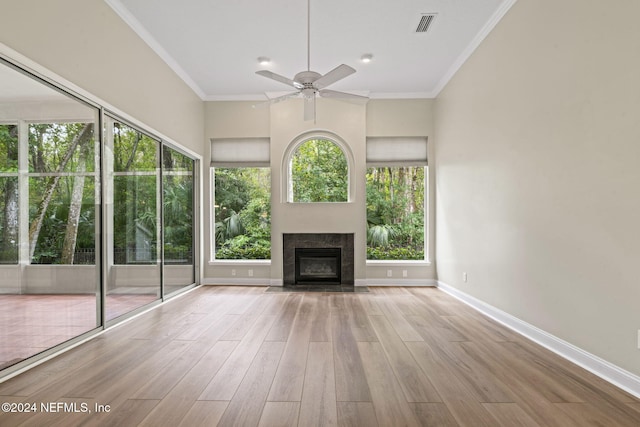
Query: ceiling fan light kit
309,83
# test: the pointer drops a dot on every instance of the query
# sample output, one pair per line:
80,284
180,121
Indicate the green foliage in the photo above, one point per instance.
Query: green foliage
60,157
245,247
61,148
8,148
133,150
50,143
229,227
394,253
395,213
242,213
379,235
178,209
9,193
51,238
319,172
136,214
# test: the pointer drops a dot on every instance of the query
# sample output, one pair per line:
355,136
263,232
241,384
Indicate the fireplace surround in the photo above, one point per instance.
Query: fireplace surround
322,253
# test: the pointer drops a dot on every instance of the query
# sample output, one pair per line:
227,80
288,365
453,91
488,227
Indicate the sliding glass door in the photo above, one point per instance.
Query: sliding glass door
178,225
49,217
97,218
133,210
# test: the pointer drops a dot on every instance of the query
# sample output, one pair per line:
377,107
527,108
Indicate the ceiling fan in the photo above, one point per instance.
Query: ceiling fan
309,83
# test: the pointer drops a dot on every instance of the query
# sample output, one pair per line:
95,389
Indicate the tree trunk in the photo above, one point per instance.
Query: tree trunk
36,225
391,189
414,185
75,207
36,150
11,210
133,152
402,178
10,219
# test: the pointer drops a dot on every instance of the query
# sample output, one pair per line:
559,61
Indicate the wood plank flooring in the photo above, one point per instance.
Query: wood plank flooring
30,324
240,356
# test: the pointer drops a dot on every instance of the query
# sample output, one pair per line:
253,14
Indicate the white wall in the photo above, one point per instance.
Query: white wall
352,122
86,43
537,150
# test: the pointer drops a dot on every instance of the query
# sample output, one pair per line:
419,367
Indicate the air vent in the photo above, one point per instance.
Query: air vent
425,22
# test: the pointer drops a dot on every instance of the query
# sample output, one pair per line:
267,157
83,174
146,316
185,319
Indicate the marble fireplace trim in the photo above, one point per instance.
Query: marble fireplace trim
291,241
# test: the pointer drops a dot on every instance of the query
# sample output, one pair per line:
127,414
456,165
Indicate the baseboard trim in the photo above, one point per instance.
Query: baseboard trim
243,281
600,367
397,282
234,281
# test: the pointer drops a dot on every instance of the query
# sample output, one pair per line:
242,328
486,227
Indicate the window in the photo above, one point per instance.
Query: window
395,213
396,198
318,172
242,204
241,198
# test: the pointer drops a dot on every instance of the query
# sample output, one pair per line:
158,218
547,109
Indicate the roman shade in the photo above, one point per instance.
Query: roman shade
406,151
240,152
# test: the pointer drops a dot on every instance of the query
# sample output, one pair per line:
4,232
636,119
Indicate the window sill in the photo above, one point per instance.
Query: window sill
348,202
240,262
401,263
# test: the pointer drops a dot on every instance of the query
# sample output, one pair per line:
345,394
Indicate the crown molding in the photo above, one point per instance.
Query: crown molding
471,47
139,29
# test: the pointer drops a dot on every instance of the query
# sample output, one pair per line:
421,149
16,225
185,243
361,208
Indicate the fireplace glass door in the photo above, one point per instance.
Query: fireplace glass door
318,265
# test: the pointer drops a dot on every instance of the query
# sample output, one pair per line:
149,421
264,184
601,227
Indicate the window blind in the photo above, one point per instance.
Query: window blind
240,152
384,151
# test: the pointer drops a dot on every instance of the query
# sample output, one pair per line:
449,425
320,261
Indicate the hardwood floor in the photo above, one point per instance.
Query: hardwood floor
240,356
30,324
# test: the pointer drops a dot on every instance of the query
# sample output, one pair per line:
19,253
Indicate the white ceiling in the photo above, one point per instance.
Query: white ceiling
213,45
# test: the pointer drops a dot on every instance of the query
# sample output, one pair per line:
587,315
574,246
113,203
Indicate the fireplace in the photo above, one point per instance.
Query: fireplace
318,265
311,259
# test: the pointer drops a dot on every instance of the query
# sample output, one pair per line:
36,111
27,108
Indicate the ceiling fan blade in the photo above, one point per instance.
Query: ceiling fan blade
310,108
283,97
338,73
275,100
277,77
326,93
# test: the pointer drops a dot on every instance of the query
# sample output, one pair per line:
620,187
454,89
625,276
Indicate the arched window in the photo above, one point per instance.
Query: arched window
318,171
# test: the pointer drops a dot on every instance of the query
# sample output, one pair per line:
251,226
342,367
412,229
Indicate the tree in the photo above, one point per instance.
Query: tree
319,172
136,214
9,193
242,213
395,213
81,138
75,208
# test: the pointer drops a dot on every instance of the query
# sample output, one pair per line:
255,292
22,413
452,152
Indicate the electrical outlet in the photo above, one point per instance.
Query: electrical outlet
250,272
464,277
404,273
389,273
233,272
